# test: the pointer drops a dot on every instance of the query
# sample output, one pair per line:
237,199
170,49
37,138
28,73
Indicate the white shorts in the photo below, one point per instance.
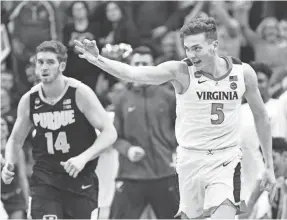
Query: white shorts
207,179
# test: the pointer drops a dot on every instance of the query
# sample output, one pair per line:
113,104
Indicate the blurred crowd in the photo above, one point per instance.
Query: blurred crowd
139,33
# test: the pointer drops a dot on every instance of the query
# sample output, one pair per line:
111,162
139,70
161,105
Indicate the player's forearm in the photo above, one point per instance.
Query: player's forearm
116,68
256,193
105,139
263,129
12,151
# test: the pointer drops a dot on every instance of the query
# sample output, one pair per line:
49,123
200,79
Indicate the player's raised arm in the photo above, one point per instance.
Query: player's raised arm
144,74
262,123
15,142
93,110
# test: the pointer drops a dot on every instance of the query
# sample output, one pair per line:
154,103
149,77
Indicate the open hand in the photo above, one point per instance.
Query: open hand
88,50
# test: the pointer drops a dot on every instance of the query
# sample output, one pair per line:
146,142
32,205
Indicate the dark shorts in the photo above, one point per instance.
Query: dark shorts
14,203
48,200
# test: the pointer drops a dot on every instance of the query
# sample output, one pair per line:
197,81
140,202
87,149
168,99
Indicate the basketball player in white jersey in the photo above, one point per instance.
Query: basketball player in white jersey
208,89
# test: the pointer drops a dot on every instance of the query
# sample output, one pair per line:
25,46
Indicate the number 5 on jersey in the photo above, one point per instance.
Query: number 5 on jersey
217,109
61,142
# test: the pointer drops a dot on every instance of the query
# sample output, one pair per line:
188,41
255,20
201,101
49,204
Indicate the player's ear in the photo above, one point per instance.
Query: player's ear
62,66
215,45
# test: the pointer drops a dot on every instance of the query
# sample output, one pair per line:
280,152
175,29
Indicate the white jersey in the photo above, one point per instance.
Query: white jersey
208,113
251,146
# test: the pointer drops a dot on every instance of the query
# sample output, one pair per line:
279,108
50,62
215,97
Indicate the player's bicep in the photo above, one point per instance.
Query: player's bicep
23,124
91,107
155,74
252,93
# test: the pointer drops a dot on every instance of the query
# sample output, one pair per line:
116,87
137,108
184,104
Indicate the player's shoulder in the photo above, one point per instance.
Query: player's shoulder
35,88
236,61
74,83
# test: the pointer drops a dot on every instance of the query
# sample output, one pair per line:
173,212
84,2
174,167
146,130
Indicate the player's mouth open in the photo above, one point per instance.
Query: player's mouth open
196,62
45,74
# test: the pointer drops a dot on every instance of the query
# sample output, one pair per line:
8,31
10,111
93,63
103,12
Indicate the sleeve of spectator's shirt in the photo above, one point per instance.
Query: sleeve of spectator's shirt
175,21
280,128
121,144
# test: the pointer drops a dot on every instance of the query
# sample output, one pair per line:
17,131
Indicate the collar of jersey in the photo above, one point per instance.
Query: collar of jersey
58,99
229,68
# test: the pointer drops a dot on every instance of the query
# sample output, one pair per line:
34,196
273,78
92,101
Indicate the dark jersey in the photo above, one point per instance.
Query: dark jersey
61,132
14,188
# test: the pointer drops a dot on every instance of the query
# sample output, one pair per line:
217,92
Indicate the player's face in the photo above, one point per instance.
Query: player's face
278,163
263,83
4,130
199,50
141,60
48,67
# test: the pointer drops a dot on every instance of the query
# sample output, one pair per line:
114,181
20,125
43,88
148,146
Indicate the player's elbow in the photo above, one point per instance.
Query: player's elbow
112,132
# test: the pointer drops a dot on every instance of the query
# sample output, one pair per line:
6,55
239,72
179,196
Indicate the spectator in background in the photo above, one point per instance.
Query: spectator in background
187,10
8,83
228,29
144,118
117,27
7,112
33,22
281,126
252,175
283,31
32,78
15,195
278,208
266,41
80,28
149,16
168,48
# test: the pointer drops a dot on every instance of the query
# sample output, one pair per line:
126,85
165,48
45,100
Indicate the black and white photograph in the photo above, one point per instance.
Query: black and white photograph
143,109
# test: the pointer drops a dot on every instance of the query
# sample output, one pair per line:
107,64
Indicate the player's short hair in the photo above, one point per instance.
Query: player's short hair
279,144
261,67
56,47
143,50
198,26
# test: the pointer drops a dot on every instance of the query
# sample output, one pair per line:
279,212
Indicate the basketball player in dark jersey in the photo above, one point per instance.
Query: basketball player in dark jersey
64,114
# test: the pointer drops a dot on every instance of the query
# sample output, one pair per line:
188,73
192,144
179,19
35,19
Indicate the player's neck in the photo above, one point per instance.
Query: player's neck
217,67
54,89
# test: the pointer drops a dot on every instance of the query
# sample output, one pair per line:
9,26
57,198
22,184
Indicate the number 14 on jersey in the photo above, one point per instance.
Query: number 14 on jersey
61,142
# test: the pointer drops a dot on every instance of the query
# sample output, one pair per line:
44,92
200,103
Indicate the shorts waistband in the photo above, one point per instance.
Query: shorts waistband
210,150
